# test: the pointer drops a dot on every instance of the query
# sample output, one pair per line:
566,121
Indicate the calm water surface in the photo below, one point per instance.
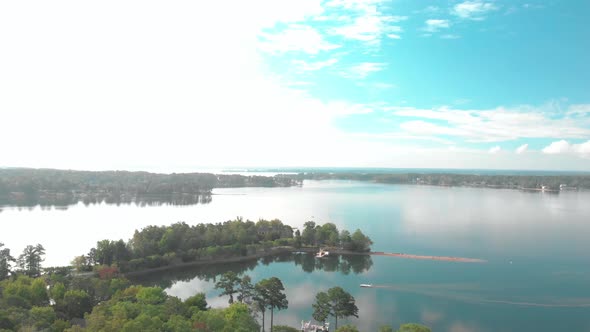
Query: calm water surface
537,245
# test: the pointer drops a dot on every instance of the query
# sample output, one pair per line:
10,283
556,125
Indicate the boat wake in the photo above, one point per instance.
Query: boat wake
472,298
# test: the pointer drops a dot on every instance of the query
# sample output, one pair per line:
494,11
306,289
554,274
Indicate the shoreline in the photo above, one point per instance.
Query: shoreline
283,250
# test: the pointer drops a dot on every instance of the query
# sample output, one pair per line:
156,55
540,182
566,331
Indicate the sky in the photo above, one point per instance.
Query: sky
181,85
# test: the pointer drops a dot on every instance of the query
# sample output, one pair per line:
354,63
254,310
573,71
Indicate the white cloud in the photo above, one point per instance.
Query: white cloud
450,36
494,149
522,149
363,70
296,38
313,66
393,36
495,125
365,22
434,25
564,147
382,85
581,110
557,147
430,10
369,28
474,10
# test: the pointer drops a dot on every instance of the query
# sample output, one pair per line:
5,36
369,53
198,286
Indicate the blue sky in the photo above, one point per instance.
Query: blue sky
398,83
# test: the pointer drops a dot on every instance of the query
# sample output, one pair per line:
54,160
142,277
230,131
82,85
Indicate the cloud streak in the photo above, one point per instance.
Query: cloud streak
364,21
473,10
522,149
362,70
296,37
313,66
495,125
434,25
494,150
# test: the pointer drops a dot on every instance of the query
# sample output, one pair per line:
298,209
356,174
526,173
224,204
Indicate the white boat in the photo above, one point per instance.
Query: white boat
367,285
322,254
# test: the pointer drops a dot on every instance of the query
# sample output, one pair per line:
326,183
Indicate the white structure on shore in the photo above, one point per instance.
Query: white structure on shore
322,253
309,327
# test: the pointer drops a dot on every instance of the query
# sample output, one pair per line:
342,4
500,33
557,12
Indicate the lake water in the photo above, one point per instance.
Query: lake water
537,277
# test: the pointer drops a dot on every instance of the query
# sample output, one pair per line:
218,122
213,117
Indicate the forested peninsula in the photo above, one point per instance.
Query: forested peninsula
180,244
31,187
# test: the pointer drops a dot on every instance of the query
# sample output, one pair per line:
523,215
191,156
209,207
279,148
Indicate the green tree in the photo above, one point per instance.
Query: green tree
245,289
272,292
308,236
145,323
42,317
38,292
151,295
177,323
298,240
347,328
235,318
361,242
386,328
30,260
76,303
413,328
59,325
321,307
328,234
260,301
337,303
227,284
238,319
284,328
5,262
57,291
198,301
5,322
346,240
80,263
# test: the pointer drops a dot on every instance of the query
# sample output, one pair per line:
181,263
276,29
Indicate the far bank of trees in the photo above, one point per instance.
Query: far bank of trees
516,181
30,187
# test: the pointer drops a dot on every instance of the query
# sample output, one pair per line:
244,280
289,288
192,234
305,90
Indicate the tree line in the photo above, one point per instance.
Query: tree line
30,187
577,181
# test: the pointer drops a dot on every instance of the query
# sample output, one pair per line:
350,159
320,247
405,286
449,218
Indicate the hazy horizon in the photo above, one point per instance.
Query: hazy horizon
269,171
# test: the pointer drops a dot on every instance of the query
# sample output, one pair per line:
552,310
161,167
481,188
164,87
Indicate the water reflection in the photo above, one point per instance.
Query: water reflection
63,200
344,264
